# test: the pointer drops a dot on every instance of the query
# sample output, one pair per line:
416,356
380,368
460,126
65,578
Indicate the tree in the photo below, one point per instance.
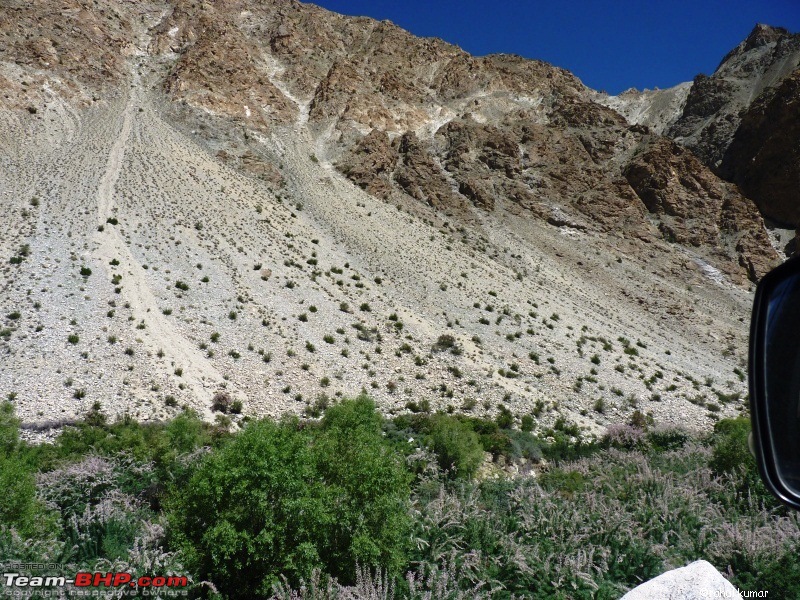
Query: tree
279,499
370,487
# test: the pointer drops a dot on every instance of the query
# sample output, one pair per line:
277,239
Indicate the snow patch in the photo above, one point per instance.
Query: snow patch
711,272
173,32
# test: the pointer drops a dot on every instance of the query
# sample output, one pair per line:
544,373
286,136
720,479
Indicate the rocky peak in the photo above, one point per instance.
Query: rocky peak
715,103
763,35
720,117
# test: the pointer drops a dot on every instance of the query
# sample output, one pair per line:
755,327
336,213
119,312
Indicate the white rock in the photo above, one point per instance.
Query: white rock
696,581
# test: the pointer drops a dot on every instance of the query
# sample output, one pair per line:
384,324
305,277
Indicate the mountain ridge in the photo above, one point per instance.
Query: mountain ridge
715,116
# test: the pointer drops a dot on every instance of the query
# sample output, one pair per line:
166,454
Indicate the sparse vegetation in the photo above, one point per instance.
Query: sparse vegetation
316,476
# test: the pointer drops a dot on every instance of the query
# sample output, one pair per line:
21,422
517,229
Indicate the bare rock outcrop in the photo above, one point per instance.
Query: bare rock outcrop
371,163
698,209
764,158
218,73
74,49
421,177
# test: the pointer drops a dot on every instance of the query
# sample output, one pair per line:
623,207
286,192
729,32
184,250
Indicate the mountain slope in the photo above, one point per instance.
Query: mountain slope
222,209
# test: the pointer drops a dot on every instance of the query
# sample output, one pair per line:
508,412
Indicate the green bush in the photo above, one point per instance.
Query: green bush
524,445
458,448
9,429
664,439
186,432
730,450
527,423
730,454
281,500
20,509
505,418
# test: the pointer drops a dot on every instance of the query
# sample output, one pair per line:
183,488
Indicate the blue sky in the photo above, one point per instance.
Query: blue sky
610,44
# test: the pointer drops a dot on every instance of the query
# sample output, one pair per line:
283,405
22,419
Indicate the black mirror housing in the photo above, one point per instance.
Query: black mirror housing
774,381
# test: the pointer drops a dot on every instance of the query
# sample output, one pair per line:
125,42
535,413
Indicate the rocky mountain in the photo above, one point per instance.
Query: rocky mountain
289,205
740,121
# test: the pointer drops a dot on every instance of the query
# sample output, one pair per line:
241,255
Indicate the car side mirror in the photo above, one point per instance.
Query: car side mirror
774,378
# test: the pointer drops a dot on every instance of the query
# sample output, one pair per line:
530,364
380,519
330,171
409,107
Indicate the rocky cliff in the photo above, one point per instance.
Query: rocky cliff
739,121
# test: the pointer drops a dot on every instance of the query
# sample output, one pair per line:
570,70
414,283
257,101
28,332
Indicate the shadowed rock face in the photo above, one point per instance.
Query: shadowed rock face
697,208
740,121
764,157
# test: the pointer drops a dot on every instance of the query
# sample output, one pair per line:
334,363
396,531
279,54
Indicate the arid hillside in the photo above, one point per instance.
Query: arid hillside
270,200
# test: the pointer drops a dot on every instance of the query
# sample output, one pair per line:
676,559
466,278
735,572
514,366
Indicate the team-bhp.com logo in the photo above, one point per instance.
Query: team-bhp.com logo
95,580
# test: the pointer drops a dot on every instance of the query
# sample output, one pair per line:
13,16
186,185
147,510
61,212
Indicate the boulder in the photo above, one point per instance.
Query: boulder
696,581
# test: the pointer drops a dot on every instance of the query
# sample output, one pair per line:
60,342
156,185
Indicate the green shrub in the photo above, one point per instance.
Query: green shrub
186,432
9,429
527,423
444,342
457,447
498,443
505,418
524,445
730,455
280,500
730,451
221,402
20,509
664,439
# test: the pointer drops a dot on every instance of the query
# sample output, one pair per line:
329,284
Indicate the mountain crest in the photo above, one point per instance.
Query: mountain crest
761,35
